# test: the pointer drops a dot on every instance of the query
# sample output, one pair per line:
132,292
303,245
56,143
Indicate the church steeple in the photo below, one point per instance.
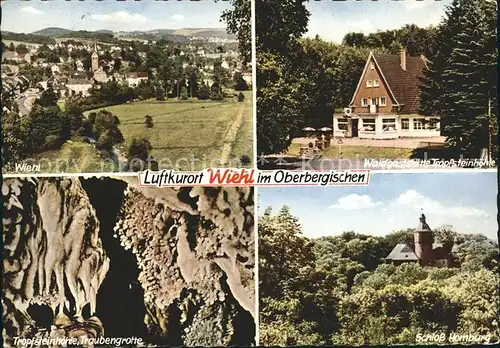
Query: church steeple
94,58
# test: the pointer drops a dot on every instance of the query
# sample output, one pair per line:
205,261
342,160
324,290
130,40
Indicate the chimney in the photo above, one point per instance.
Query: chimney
402,55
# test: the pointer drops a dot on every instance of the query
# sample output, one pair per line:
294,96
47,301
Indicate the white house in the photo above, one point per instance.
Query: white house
134,79
386,102
77,86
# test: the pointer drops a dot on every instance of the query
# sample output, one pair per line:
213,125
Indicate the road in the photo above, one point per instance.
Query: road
25,103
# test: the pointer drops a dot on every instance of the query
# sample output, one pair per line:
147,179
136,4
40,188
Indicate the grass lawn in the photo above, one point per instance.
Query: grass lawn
186,128
347,151
73,157
62,104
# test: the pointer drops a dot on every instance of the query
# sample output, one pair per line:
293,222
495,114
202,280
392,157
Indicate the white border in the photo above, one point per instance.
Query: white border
255,188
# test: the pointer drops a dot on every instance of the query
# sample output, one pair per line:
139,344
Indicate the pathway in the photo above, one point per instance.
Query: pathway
231,135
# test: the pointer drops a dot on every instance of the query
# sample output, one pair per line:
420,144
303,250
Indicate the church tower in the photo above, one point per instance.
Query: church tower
94,58
424,239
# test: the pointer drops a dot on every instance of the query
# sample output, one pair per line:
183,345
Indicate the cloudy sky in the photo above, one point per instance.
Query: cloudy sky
467,201
331,20
26,17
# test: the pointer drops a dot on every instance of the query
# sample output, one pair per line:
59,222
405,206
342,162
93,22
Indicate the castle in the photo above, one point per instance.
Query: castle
426,252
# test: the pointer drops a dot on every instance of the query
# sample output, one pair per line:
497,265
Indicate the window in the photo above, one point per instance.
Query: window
368,125
405,124
369,83
343,124
376,83
364,102
383,101
374,101
372,66
418,123
388,124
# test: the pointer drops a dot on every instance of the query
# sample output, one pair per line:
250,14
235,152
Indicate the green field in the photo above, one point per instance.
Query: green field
184,129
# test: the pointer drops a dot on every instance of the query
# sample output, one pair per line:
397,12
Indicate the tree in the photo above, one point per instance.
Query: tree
22,49
238,20
138,153
74,114
14,135
48,98
460,84
42,123
239,82
278,27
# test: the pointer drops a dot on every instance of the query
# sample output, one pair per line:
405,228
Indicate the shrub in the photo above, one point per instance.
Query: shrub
203,93
241,97
184,93
148,121
52,142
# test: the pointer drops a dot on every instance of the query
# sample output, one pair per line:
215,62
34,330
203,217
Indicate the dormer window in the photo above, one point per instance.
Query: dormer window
369,83
376,83
372,66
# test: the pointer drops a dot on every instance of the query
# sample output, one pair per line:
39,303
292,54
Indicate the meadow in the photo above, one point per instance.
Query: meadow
187,129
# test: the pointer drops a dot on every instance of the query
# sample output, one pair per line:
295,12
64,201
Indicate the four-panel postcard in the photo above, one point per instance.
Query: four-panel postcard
249,173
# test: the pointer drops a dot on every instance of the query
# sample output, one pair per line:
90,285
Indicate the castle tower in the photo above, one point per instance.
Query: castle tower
94,58
424,239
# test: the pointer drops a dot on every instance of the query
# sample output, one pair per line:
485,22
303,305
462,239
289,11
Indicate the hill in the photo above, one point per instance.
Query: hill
52,32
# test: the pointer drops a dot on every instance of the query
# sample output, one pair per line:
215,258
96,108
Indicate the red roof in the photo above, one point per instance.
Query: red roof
404,84
136,75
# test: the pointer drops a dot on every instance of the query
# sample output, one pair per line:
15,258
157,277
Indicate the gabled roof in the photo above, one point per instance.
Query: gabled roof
402,252
404,84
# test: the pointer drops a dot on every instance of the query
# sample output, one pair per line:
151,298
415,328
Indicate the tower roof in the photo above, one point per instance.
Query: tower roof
422,225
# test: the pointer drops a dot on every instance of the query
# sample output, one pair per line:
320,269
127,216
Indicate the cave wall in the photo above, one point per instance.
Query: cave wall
52,255
195,250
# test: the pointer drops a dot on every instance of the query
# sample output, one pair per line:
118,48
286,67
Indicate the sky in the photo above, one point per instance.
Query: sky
26,17
331,20
466,201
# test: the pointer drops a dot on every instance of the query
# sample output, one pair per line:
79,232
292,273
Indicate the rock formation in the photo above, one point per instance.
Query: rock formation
50,236
194,249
